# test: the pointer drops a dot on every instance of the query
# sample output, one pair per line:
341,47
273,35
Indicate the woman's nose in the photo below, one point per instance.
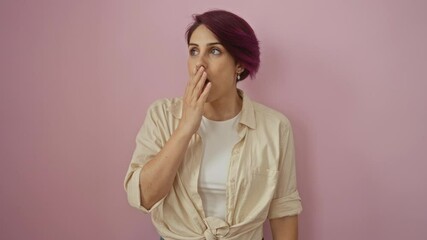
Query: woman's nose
201,62
199,65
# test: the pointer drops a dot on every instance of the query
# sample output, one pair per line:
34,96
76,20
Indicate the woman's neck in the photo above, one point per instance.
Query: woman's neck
224,108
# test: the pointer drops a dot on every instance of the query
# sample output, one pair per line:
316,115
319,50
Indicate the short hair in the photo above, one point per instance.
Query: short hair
235,34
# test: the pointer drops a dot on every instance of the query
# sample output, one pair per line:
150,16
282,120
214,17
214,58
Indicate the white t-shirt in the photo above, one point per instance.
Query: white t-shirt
219,138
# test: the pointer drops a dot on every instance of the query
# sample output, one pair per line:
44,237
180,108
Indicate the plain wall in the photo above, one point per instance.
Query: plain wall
77,77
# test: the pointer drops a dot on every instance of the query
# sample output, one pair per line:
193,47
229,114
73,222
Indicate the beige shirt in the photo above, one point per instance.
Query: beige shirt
261,179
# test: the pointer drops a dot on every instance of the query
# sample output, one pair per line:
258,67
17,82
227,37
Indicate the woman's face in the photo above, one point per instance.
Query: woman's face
205,50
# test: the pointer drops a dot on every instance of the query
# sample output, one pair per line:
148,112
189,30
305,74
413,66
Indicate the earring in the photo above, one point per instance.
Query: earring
238,76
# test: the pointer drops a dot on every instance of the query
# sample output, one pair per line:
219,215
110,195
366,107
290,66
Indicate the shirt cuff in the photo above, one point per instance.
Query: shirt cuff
285,206
134,193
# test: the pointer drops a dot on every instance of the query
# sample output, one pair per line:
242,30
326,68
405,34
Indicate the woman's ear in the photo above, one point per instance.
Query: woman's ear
239,68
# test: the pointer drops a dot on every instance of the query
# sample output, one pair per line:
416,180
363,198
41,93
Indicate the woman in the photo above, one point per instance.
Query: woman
214,164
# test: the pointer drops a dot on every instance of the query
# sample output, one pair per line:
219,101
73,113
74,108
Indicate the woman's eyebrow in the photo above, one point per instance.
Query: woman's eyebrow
209,44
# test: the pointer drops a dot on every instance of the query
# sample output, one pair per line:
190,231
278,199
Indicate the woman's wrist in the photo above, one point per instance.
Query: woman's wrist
183,133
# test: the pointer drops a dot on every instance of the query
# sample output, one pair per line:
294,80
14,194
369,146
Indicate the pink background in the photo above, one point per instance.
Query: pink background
77,77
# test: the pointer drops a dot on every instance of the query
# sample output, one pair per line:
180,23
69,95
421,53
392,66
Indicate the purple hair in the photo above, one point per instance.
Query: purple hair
235,34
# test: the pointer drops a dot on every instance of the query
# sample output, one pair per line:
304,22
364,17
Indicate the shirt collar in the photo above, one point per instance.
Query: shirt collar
248,113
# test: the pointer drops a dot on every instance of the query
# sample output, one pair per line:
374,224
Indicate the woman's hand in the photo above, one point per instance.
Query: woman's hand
193,101
158,174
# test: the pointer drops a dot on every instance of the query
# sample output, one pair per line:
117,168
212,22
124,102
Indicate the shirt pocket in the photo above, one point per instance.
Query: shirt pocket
256,193
263,182
265,172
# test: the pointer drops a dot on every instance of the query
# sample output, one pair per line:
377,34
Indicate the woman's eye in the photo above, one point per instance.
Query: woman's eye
193,51
215,51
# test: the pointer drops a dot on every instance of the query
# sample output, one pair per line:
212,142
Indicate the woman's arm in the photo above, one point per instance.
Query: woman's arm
285,228
158,174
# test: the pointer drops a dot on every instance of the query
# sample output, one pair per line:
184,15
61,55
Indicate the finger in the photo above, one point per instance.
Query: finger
199,87
199,72
192,82
197,68
204,95
196,80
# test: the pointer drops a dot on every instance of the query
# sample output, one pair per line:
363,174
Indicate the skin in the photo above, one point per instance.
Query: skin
216,99
285,228
221,69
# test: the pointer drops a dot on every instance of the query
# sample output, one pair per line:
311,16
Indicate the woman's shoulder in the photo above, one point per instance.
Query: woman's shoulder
268,114
165,106
164,103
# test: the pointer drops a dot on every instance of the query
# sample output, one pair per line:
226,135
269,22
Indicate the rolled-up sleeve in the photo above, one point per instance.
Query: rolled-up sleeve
148,143
286,201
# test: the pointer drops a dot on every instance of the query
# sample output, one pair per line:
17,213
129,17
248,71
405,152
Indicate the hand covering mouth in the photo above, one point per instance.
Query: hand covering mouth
206,83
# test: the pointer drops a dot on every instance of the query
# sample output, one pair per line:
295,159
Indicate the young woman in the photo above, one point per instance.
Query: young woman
215,164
